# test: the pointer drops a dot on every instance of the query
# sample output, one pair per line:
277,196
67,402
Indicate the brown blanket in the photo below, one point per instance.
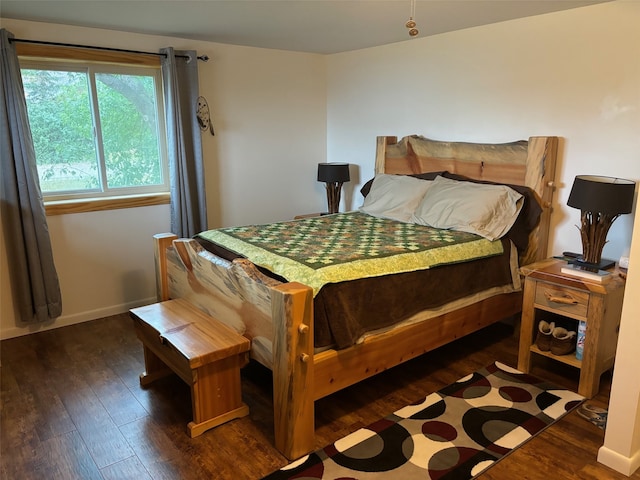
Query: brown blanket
343,312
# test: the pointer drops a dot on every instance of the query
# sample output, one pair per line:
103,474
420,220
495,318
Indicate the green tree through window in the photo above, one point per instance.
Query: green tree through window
95,129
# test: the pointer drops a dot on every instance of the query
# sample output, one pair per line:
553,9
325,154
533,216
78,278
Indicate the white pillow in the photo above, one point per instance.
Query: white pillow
394,196
486,210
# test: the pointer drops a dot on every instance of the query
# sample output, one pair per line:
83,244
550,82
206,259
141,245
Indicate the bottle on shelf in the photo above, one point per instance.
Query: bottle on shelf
582,329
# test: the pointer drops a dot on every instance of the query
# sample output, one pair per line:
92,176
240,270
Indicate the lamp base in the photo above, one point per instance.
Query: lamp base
333,196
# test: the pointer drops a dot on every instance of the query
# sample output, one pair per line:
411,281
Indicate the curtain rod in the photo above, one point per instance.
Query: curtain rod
204,58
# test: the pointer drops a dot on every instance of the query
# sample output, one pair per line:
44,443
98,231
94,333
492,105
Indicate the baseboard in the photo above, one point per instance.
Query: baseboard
625,465
67,320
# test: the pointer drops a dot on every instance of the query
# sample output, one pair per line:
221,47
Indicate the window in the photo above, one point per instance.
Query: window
96,128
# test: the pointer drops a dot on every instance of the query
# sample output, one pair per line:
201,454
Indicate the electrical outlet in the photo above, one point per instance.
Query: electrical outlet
624,262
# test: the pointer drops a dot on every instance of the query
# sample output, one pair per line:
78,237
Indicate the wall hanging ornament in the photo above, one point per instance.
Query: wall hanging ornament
411,24
204,116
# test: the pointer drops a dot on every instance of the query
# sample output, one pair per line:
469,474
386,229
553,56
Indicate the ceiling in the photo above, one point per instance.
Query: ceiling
317,26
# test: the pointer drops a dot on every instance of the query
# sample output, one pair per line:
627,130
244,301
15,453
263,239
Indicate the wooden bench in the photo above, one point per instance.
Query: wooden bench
205,353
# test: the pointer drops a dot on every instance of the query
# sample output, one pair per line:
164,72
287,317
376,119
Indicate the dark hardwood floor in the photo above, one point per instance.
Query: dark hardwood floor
72,408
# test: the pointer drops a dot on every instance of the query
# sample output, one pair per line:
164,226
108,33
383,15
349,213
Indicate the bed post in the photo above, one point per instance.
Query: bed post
161,242
540,174
292,308
381,152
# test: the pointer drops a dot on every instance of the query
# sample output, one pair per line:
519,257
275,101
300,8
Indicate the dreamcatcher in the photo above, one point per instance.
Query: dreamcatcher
204,116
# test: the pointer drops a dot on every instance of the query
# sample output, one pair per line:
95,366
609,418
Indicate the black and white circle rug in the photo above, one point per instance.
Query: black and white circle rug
455,433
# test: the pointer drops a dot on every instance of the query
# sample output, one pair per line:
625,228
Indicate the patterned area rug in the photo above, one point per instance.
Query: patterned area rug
453,434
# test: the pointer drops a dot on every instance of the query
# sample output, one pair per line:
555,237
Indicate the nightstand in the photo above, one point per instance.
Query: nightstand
308,215
549,294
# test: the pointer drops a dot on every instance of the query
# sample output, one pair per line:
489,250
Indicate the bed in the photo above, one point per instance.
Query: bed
264,306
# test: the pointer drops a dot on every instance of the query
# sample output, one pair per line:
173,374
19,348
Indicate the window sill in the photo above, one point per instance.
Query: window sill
65,207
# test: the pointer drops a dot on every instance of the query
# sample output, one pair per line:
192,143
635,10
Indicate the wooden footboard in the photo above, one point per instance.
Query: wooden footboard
260,308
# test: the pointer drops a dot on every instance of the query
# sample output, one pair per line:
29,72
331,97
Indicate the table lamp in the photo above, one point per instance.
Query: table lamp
601,200
334,175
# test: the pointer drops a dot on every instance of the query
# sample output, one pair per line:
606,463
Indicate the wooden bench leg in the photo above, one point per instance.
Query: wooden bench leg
216,395
154,368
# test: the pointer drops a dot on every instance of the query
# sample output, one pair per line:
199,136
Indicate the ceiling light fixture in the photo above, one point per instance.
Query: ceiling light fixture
411,24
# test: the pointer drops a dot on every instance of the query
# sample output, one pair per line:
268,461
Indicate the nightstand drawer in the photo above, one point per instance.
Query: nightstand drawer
562,300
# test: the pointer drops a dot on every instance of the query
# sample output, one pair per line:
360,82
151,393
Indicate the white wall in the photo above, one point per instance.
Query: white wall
268,109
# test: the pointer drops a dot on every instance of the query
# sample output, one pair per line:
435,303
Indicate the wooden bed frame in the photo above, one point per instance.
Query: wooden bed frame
232,291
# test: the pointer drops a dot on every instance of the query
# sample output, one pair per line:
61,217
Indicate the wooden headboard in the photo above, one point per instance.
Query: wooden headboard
531,163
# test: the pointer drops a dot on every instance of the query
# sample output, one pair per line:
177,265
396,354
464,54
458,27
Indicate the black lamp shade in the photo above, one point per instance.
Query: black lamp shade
607,195
333,172
600,200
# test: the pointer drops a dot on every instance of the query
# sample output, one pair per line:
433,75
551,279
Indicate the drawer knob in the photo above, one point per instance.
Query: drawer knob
566,299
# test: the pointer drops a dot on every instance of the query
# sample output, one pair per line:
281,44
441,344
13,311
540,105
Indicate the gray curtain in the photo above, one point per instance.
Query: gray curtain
186,169
34,279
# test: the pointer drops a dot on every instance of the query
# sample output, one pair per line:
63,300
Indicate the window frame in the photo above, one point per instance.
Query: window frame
109,61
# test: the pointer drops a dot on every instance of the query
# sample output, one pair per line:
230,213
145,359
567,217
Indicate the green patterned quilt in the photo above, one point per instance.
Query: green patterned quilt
347,246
